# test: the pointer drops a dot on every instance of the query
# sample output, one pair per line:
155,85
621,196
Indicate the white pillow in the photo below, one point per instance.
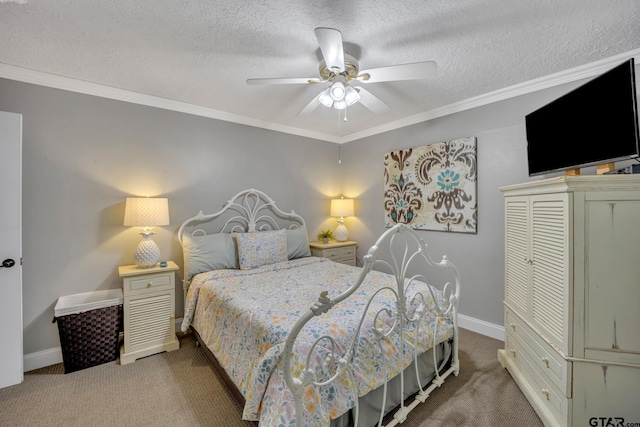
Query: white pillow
261,248
206,253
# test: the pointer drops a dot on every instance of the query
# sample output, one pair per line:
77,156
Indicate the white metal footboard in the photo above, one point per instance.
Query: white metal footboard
400,252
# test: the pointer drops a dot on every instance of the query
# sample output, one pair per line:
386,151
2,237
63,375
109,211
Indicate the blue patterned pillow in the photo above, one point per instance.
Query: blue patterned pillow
261,248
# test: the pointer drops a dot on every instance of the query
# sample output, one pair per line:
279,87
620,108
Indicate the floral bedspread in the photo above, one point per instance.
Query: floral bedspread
244,317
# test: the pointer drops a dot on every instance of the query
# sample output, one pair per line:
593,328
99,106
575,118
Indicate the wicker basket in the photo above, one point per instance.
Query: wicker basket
90,338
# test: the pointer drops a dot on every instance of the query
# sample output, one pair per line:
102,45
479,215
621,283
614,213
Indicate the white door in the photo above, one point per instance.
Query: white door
10,249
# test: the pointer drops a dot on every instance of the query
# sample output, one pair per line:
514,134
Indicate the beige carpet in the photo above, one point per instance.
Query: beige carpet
181,388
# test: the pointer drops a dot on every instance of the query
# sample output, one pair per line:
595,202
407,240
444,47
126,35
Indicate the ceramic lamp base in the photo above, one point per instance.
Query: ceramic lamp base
341,234
147,254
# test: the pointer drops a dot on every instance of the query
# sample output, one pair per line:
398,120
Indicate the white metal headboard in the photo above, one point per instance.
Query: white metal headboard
255,211
248,211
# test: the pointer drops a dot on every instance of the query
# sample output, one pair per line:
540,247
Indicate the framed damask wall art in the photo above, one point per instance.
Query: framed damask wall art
433,187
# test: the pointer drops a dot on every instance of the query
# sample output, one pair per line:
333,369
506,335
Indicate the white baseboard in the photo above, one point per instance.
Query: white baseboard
481,327
43,358
53,356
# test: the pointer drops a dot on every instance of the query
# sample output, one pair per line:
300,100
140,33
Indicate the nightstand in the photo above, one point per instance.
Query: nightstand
343,252
149,311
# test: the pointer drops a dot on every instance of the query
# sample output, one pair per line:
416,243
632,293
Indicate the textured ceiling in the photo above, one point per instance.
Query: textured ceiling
201,52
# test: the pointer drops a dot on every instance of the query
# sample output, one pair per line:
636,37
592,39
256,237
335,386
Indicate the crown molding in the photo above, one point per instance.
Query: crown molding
65,83
546,82
24,75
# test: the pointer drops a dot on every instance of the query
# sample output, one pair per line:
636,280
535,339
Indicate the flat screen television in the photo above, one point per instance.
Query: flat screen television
593,124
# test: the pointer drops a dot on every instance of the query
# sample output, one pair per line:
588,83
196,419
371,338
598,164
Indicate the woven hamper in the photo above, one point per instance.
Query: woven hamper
89,333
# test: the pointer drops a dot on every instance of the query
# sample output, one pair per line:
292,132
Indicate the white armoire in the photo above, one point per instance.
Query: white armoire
572,297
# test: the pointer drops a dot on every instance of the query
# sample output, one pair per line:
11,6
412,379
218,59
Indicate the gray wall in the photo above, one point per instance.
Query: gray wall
502,160
83,155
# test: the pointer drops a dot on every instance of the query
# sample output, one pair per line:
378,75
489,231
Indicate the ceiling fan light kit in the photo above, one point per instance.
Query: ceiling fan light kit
338,88
339,105
340,95
351,96
325,98
339,67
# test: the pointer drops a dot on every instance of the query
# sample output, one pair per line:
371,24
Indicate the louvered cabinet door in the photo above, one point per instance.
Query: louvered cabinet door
551,263
150,321
538,263
149,311
517,271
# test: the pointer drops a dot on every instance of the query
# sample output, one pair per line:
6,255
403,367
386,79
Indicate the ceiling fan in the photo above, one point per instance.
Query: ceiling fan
339,68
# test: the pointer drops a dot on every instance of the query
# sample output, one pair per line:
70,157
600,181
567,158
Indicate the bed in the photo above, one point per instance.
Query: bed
306,341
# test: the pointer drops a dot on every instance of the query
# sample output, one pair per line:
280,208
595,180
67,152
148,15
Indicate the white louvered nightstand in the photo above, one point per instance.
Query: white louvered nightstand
149,311
343,252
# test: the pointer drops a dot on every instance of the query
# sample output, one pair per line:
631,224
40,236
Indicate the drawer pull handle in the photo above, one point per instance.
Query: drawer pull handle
513,352
545,360
513,326
545,392
149,284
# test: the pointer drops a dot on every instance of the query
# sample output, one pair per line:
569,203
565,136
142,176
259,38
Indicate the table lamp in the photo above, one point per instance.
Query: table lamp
146,212
341,208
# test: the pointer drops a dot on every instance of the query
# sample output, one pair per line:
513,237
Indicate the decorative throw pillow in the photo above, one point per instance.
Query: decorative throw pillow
206,253
297,243
261,248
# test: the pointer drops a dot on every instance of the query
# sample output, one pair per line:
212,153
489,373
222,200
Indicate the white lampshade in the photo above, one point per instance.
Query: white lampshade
337,91
340,105
146,212
341,208
325,98
351,96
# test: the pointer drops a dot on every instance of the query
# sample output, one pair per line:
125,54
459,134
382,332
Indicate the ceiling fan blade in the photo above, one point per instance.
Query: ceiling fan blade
283,81
415,71
311,106
371,101
330,41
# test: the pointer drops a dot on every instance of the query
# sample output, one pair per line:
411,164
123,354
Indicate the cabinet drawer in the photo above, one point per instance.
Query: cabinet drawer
606,389
333,254
348,252
147,283
541,353
542,389
341,254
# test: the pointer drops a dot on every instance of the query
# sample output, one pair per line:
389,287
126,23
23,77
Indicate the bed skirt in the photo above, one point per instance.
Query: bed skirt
371,403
